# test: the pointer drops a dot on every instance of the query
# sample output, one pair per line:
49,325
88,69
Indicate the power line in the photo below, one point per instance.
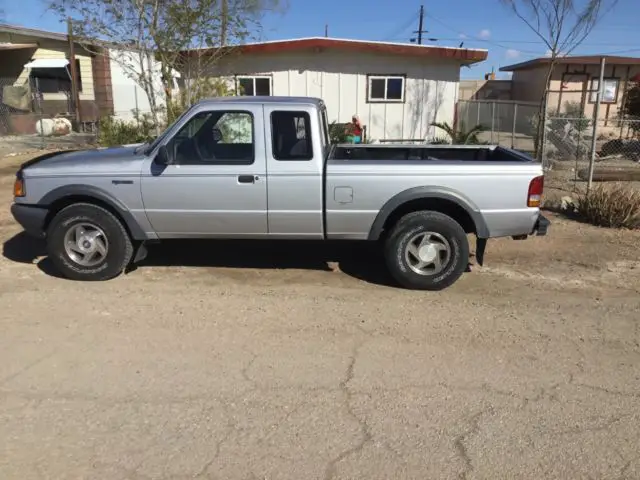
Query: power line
464,36
398,32
540,42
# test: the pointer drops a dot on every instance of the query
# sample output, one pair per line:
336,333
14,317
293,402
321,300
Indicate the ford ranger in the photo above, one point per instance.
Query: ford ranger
264,168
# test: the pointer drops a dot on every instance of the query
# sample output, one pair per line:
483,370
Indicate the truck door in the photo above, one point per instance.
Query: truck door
217,185
295,161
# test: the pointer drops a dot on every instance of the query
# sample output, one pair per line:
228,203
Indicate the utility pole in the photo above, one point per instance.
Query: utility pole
421,30
326,30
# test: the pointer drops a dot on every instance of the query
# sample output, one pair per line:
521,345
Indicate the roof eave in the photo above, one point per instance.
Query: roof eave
465,56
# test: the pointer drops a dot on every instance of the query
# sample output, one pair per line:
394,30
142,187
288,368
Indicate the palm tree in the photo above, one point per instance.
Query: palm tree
460,136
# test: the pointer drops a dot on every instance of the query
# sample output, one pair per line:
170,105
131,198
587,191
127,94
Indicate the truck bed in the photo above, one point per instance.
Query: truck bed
491,182
467,153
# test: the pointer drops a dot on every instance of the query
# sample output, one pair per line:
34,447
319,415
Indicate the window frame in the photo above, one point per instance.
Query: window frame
253,78
386,78
227,163
308,134
593,94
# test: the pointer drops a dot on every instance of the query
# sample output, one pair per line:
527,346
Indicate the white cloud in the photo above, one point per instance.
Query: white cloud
512,54
484,34
463,36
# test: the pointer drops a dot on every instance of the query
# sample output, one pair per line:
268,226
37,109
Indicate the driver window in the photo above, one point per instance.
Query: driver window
216,138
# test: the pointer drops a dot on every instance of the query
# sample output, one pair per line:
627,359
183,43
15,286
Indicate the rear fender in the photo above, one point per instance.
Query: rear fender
419,193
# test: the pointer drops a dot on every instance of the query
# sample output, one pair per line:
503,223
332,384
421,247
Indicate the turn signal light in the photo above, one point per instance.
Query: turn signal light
18,188
534,197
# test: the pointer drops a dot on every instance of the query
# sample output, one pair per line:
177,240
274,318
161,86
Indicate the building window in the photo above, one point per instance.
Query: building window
291,136
253,86
609,92
385,88
54,79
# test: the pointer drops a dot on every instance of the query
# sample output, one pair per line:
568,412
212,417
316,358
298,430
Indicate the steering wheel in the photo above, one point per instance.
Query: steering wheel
200,143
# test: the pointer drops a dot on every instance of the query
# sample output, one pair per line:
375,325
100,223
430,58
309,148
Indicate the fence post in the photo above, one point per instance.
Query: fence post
37,95
493,118
596,115
513,130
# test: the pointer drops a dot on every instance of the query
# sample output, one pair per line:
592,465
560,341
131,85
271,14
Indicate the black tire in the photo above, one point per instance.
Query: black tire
119,251
416,223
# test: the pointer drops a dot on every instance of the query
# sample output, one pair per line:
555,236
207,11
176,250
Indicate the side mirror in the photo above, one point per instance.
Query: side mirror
164,156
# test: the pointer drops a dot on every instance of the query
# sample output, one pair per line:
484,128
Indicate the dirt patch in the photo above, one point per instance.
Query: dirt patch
216,359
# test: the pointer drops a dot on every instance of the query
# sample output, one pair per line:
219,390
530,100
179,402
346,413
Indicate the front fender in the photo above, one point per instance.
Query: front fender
89,191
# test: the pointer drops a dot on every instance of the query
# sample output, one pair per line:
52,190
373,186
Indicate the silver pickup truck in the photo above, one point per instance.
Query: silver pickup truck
264,168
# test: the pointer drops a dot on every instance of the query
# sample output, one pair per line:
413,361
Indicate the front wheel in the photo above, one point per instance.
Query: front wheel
427,251
87,242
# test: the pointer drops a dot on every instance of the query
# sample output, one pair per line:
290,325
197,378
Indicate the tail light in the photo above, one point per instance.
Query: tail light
534,197
18,187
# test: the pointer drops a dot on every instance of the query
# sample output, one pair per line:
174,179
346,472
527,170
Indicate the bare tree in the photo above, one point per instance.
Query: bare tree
146,37
562,25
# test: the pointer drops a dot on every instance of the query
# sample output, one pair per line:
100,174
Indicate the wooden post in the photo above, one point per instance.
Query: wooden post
74,74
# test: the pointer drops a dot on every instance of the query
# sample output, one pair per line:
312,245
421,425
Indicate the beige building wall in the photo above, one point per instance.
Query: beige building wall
485,90
528,85
572,84
13,65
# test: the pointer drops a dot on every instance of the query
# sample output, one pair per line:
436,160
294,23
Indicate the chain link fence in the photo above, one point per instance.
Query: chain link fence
569,143
504,122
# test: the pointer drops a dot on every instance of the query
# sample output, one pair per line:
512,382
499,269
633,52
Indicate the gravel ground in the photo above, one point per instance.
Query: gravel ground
236,361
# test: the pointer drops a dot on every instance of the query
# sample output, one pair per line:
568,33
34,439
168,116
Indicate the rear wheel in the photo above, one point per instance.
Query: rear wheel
427,251
87,242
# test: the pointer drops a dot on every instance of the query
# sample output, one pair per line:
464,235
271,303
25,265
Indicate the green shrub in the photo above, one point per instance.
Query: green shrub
461,136
197,90
616,206
113,132
439,141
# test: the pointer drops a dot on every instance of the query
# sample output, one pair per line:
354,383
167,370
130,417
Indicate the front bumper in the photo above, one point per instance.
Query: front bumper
541,226
31,218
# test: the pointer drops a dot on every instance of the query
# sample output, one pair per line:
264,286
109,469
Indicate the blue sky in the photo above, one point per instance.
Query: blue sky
479,23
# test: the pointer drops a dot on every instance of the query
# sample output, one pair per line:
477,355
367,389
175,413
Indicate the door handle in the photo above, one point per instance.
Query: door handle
247,179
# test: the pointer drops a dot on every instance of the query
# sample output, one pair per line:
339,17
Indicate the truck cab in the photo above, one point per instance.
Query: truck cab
244,168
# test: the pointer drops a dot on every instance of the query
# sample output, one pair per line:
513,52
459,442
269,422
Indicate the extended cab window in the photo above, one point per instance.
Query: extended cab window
291,136
217,138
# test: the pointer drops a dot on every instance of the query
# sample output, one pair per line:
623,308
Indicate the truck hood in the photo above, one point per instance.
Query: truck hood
112,161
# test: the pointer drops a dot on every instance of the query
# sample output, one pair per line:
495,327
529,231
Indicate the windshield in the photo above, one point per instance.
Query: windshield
161,137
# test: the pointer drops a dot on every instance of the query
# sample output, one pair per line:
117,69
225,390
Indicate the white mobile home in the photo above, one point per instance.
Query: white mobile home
398,90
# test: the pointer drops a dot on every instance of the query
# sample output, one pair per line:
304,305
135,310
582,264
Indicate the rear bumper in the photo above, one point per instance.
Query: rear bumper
541,226
31,218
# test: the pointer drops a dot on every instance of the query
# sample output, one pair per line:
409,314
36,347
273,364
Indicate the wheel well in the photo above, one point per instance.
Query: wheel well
447,207
64,202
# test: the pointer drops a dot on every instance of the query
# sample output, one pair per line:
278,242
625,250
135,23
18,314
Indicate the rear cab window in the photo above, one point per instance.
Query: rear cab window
291,136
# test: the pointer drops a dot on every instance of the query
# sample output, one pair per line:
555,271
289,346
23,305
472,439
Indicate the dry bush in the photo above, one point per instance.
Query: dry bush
616,206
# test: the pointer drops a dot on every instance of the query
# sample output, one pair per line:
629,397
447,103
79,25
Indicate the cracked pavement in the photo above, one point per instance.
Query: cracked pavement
527,368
